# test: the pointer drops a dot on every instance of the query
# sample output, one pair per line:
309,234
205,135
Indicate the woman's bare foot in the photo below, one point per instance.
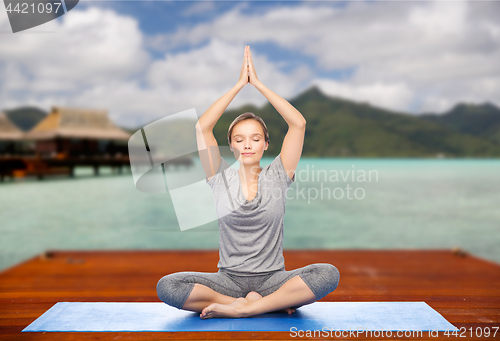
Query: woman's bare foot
234,309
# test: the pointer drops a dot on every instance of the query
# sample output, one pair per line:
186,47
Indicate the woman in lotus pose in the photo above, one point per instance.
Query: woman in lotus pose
250,204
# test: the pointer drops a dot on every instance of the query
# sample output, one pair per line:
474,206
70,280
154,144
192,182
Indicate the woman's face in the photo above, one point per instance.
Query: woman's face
248,141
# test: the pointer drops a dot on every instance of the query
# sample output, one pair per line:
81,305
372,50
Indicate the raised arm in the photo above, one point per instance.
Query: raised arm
291,150
208,148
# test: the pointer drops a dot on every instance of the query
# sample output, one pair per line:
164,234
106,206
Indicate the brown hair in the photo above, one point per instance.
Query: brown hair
247,116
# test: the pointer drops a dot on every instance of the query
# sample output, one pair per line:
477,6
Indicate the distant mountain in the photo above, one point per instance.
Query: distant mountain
25,118
338,127
478,120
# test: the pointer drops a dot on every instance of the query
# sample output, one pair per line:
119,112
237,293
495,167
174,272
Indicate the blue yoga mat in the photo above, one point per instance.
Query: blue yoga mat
160,317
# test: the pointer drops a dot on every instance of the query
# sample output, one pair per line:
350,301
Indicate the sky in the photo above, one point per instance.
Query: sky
144,60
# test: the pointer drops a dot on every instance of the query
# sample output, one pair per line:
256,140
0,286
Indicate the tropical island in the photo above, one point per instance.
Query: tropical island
338,127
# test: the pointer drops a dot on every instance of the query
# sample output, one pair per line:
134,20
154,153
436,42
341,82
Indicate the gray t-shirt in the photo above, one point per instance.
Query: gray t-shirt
251,232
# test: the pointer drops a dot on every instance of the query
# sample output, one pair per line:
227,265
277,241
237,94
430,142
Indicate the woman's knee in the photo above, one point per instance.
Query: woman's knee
324,278
163,287
330,273
173,290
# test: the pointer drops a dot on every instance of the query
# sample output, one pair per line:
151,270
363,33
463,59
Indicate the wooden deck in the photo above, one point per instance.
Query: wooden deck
463,288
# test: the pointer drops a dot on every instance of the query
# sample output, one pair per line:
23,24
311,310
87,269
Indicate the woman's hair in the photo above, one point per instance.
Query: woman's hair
247,116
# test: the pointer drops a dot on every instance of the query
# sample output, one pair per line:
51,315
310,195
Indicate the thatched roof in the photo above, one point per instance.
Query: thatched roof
8,130
77,123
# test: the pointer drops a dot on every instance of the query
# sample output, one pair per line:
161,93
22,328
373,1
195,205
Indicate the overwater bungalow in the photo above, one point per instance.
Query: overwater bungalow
11,137
70,132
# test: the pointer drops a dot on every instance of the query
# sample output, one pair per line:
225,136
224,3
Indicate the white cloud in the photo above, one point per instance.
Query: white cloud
411,46
439,20
387,95
198,8
88,47
197,79
215,65
87,67
429,53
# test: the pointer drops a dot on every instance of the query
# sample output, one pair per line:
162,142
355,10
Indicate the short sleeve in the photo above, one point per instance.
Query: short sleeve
217,177
279,174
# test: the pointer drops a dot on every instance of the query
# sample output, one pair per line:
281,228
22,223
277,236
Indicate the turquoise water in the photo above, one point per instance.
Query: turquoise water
410,203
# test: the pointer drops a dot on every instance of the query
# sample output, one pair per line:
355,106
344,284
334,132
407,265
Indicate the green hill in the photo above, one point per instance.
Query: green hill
478,120
339,127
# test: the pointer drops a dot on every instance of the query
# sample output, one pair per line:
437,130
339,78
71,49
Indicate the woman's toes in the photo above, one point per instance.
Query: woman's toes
207,310
234,309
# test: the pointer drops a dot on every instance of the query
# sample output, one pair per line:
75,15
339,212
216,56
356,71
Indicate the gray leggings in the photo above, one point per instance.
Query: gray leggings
174,289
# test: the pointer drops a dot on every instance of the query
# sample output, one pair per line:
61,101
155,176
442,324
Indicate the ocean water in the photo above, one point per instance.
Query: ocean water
333,204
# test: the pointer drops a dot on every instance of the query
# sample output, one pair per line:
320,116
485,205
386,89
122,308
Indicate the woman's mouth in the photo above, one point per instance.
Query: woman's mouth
247,154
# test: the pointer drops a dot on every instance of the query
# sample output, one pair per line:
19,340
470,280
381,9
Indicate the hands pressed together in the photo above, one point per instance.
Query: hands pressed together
248,74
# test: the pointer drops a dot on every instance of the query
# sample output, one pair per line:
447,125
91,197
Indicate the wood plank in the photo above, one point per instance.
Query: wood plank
463,288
